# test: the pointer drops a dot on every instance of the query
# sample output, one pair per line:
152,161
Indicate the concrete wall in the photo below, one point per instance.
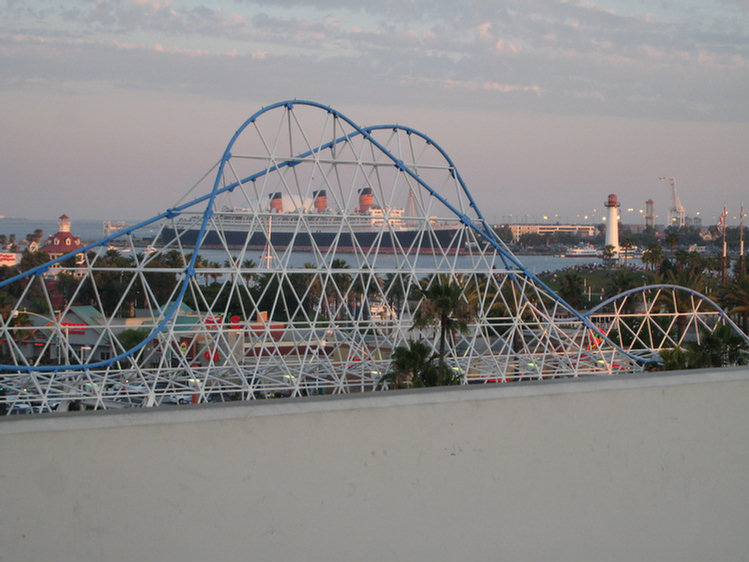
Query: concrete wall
649,468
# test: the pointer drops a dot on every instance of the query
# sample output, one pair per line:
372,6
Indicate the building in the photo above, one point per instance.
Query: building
578,229
82,332
650,214
63,242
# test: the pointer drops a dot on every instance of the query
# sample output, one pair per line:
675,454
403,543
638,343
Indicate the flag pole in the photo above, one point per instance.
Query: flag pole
741,241
725,252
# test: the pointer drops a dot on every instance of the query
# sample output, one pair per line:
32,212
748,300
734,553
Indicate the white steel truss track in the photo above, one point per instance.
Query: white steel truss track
293,267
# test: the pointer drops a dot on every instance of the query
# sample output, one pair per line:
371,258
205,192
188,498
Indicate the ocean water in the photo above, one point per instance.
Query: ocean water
88,230
92,230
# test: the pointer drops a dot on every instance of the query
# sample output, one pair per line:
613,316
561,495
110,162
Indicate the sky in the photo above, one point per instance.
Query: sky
112,109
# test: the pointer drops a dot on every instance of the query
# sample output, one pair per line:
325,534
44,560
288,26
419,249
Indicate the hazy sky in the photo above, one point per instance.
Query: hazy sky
113,109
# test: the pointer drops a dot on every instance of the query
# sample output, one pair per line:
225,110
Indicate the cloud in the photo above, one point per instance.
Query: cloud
510,88
483,29
642,63
507,47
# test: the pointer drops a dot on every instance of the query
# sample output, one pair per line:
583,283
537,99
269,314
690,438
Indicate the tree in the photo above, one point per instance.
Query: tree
504,233
653,256
571,289
394,289
30,260
67,284
734,298
111,280
131,337
679,302
608,253
622,280
250,264
444,306
481,294
408,362
338,284
720,348
672,238
741,267
681,257
413,365
626,247
695,280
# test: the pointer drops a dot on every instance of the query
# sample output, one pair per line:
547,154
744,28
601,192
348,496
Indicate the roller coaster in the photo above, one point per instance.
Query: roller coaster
294,267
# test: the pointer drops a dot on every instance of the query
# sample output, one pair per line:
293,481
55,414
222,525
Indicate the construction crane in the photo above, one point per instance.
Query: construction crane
677,215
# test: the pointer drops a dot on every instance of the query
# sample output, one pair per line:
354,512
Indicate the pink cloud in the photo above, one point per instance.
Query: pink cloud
154,5
509,88
503,46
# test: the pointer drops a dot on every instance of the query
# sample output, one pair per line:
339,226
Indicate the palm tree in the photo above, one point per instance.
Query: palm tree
445,306
314,291
626,246
608,253
250,277
653,256
723,347
735,300
215,274
695,280
680,302
408,363
571,289
672,238
621,281
394,289
338,284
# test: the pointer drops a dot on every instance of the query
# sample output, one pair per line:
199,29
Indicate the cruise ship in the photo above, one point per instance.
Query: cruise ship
368,226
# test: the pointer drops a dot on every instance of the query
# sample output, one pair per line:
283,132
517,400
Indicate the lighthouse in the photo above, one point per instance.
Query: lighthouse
612,223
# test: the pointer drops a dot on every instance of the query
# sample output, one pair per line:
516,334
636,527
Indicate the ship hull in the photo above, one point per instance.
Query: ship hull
432,241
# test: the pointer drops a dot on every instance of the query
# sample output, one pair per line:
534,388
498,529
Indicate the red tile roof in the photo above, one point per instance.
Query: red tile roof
62,243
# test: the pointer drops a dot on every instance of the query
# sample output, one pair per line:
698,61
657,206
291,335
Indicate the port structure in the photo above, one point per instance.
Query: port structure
677,214
293,267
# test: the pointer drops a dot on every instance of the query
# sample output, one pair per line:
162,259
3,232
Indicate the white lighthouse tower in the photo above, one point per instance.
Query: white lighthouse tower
612,223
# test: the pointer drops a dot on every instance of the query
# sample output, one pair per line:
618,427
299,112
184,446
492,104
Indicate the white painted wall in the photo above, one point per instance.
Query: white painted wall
649,468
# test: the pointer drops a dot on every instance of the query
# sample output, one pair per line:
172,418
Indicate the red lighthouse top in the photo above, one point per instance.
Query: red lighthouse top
612,201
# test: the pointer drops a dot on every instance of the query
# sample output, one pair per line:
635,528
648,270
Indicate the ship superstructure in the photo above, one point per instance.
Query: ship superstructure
315,226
